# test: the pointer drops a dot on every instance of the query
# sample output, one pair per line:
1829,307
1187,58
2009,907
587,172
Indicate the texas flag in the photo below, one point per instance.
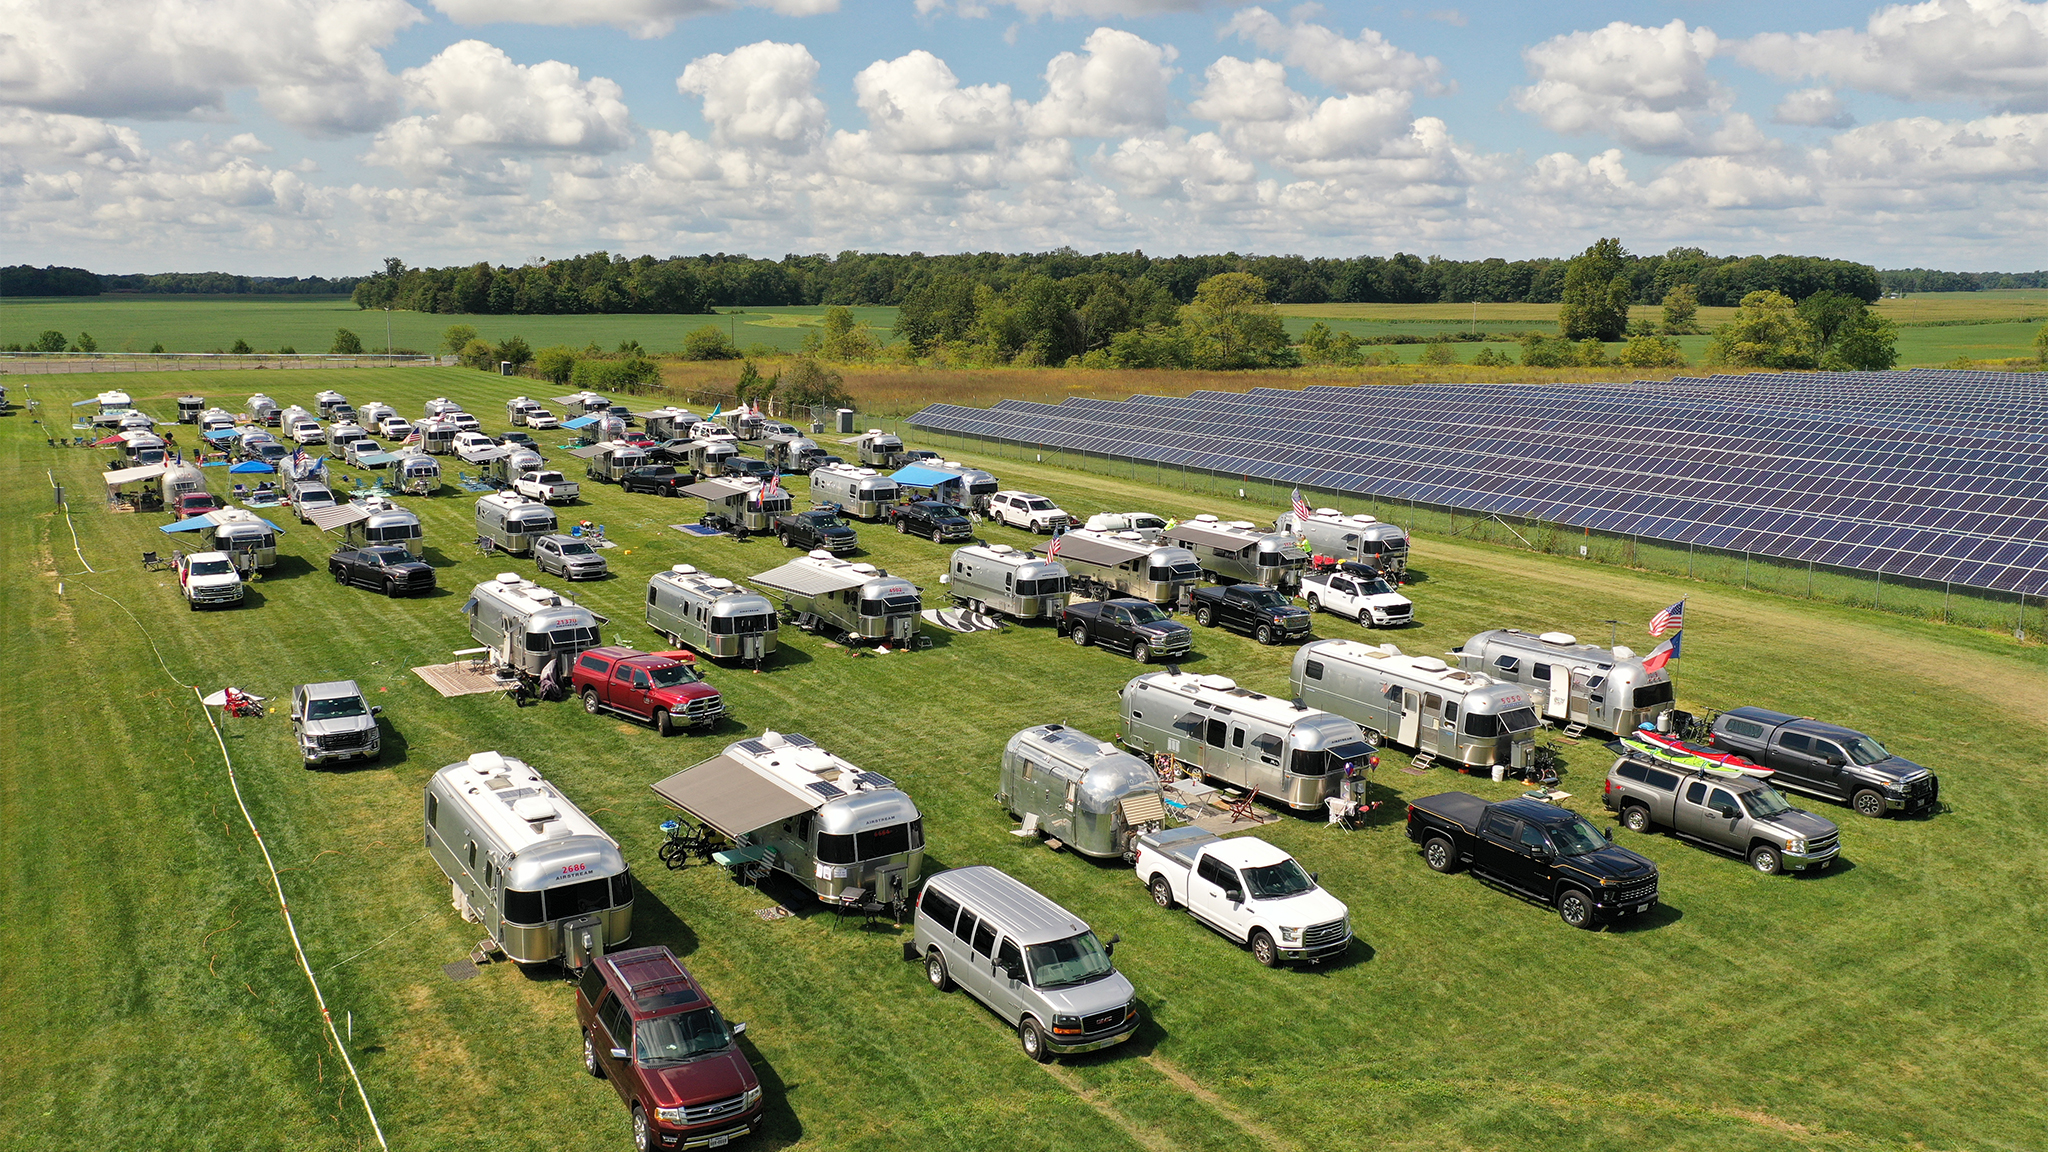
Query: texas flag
1664,653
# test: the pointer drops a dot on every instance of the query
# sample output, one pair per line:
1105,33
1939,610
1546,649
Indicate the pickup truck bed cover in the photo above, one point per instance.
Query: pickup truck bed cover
1182,844
1461,808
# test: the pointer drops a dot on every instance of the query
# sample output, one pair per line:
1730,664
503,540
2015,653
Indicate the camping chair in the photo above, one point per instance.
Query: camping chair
152,562
241,491
1242,809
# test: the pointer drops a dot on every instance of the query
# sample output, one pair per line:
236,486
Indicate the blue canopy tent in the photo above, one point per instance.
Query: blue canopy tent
918,476
253,466
580,422
201,523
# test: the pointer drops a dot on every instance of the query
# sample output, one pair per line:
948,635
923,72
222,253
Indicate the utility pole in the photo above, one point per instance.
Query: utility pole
387,329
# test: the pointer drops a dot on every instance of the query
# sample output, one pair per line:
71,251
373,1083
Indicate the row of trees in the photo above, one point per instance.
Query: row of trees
1904,280
27,280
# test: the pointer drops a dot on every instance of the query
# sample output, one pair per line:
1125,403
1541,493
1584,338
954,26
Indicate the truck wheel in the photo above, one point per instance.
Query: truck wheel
590,1063
1869,803
643,1133
1080,635
1635,818
662,723
1766,860
1575,908
1141,652
340,577
1438,854
1032,1037
590,701
1263,949
1162,892
903,527
391,589
1205,617
1314,605
935,971
1264,634
192,604
785,540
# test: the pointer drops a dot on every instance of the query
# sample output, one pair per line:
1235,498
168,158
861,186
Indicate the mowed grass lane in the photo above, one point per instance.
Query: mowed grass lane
1871,1008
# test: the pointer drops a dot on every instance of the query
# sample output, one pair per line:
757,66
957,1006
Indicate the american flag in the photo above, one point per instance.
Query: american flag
1301,509
773,486
1053,549
412,439
1669,620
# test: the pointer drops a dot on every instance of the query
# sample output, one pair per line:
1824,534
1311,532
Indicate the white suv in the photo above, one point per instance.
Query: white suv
1028,510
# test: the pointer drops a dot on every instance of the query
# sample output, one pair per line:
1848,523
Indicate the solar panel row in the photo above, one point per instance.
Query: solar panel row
1932,474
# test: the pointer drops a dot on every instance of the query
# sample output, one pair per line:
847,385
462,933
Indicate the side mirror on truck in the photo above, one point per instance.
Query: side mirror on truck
1235,896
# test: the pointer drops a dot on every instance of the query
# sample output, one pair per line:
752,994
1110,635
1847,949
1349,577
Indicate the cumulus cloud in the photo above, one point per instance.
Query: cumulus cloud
484,105
1264,117
1116,84
1923,151
641,19
761,95
314,64
1065,9
1813,108
1645,87
1365,63
1992,51
914,103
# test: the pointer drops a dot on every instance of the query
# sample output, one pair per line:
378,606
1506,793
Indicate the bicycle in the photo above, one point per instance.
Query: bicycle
685,840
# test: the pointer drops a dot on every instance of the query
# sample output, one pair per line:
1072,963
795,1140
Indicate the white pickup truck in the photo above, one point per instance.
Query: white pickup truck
476,448
1359,592
208,578
1248,890
547,486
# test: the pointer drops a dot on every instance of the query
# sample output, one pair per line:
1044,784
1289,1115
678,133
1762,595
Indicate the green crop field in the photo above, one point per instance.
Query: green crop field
149,996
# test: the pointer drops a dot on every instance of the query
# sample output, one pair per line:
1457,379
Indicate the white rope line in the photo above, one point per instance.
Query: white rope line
276,882
74,531
380,943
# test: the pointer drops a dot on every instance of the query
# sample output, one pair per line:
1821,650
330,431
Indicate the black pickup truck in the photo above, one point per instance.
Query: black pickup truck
1540,850
816,528
933,518
658,479
1828,761
1267,613
1134,626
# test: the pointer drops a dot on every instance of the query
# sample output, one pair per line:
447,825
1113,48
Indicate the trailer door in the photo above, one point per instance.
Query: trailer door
1557,693
1411,719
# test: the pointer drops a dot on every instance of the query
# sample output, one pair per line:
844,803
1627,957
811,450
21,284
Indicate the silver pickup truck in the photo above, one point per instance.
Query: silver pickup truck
1741,815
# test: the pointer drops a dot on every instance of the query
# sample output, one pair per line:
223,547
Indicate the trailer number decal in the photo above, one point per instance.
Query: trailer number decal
573,869
1512,700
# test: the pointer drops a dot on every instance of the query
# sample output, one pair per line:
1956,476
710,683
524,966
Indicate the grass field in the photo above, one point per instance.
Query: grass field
150,997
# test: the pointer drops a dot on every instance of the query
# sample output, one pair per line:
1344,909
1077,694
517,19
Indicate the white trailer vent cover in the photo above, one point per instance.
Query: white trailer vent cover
1559,638
535,809
1430,664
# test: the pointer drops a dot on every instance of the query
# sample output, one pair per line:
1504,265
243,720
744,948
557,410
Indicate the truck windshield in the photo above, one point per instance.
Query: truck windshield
1864,750
211,568
1066,963
1577,838
1277,881
674,674
1266,598
1650,695
1765,802
667,1040
335,708
1146,614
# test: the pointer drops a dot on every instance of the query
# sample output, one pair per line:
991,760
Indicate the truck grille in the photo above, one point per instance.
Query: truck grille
1641,892
1824,845
1324,935
1399,611
714,1111
218,595
1103,1020
705,708
342,741
1297,624
1170,645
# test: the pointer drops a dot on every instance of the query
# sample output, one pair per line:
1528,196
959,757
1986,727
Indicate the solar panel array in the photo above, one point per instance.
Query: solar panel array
1932,474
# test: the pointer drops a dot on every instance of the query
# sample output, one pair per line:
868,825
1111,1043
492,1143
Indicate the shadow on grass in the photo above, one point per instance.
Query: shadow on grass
1840,865
288,567
780,1127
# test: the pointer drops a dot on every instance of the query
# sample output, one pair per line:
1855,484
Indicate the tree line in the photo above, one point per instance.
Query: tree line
27,280
1906,280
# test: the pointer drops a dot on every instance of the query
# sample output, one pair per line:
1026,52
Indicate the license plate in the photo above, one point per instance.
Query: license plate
1642,907
718,1142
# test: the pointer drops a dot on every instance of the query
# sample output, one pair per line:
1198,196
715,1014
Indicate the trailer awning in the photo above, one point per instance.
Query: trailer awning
1210,537
589,452
374,459
221,435
131,475
807,580
918,476
489,454
730,796
580,422
189,524
339,516
716,490
1094,550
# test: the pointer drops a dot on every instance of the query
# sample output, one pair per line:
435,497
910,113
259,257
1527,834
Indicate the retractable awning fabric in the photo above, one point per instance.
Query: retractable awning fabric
716,490
371,459
189,524
730,796
131,475
590,452
339,516
1092,550
1210,537
805,580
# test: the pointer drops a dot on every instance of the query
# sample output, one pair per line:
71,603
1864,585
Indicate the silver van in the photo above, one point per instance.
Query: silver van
1032,962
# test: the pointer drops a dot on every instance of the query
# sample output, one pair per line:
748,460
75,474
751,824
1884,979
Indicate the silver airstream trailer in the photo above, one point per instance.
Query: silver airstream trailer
1291,754
518,408
1000,580
418,473
611,460
670,423
790,453
544,881
1234,551
1418,703
1578,686
583,403
1328,532
743,423
505,470
263,410
848,835
310,494
342,433
742,503
189,408
1088,794
216,420
708,457
820,592
439,406
1105,564
529,629
182,477
242,533
950,481
879,449
511,521
437,435
861,492
711,615
328,400
370,521
143,448
374,415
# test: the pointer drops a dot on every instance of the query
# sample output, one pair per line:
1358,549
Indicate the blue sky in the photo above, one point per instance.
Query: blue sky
317,136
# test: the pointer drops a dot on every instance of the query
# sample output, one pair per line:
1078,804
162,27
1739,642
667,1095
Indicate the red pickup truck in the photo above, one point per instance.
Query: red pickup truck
664,688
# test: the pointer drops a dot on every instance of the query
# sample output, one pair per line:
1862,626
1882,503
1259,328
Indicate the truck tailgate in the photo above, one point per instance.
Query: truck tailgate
1460,808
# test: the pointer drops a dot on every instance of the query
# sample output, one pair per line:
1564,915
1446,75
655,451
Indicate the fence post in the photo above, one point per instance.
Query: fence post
1877,593
1944,601
1809,579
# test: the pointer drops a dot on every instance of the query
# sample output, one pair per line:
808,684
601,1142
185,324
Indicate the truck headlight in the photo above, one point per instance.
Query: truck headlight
1795,844
1066,1025
1290,935
671,1115
752,1097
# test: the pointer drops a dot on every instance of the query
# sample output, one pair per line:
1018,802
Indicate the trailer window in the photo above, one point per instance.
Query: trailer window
1483,725
1518,720
579,899
433,809
835,848
1215,735
939,908
889,606
522,907
893,840
1313,669
622,889
741,625
1507,664
1650,695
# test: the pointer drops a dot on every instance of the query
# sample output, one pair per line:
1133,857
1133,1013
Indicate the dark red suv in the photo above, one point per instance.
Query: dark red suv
662,687
650,1030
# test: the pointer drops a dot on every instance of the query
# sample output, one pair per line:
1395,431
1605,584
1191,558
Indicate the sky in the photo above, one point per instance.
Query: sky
303,137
